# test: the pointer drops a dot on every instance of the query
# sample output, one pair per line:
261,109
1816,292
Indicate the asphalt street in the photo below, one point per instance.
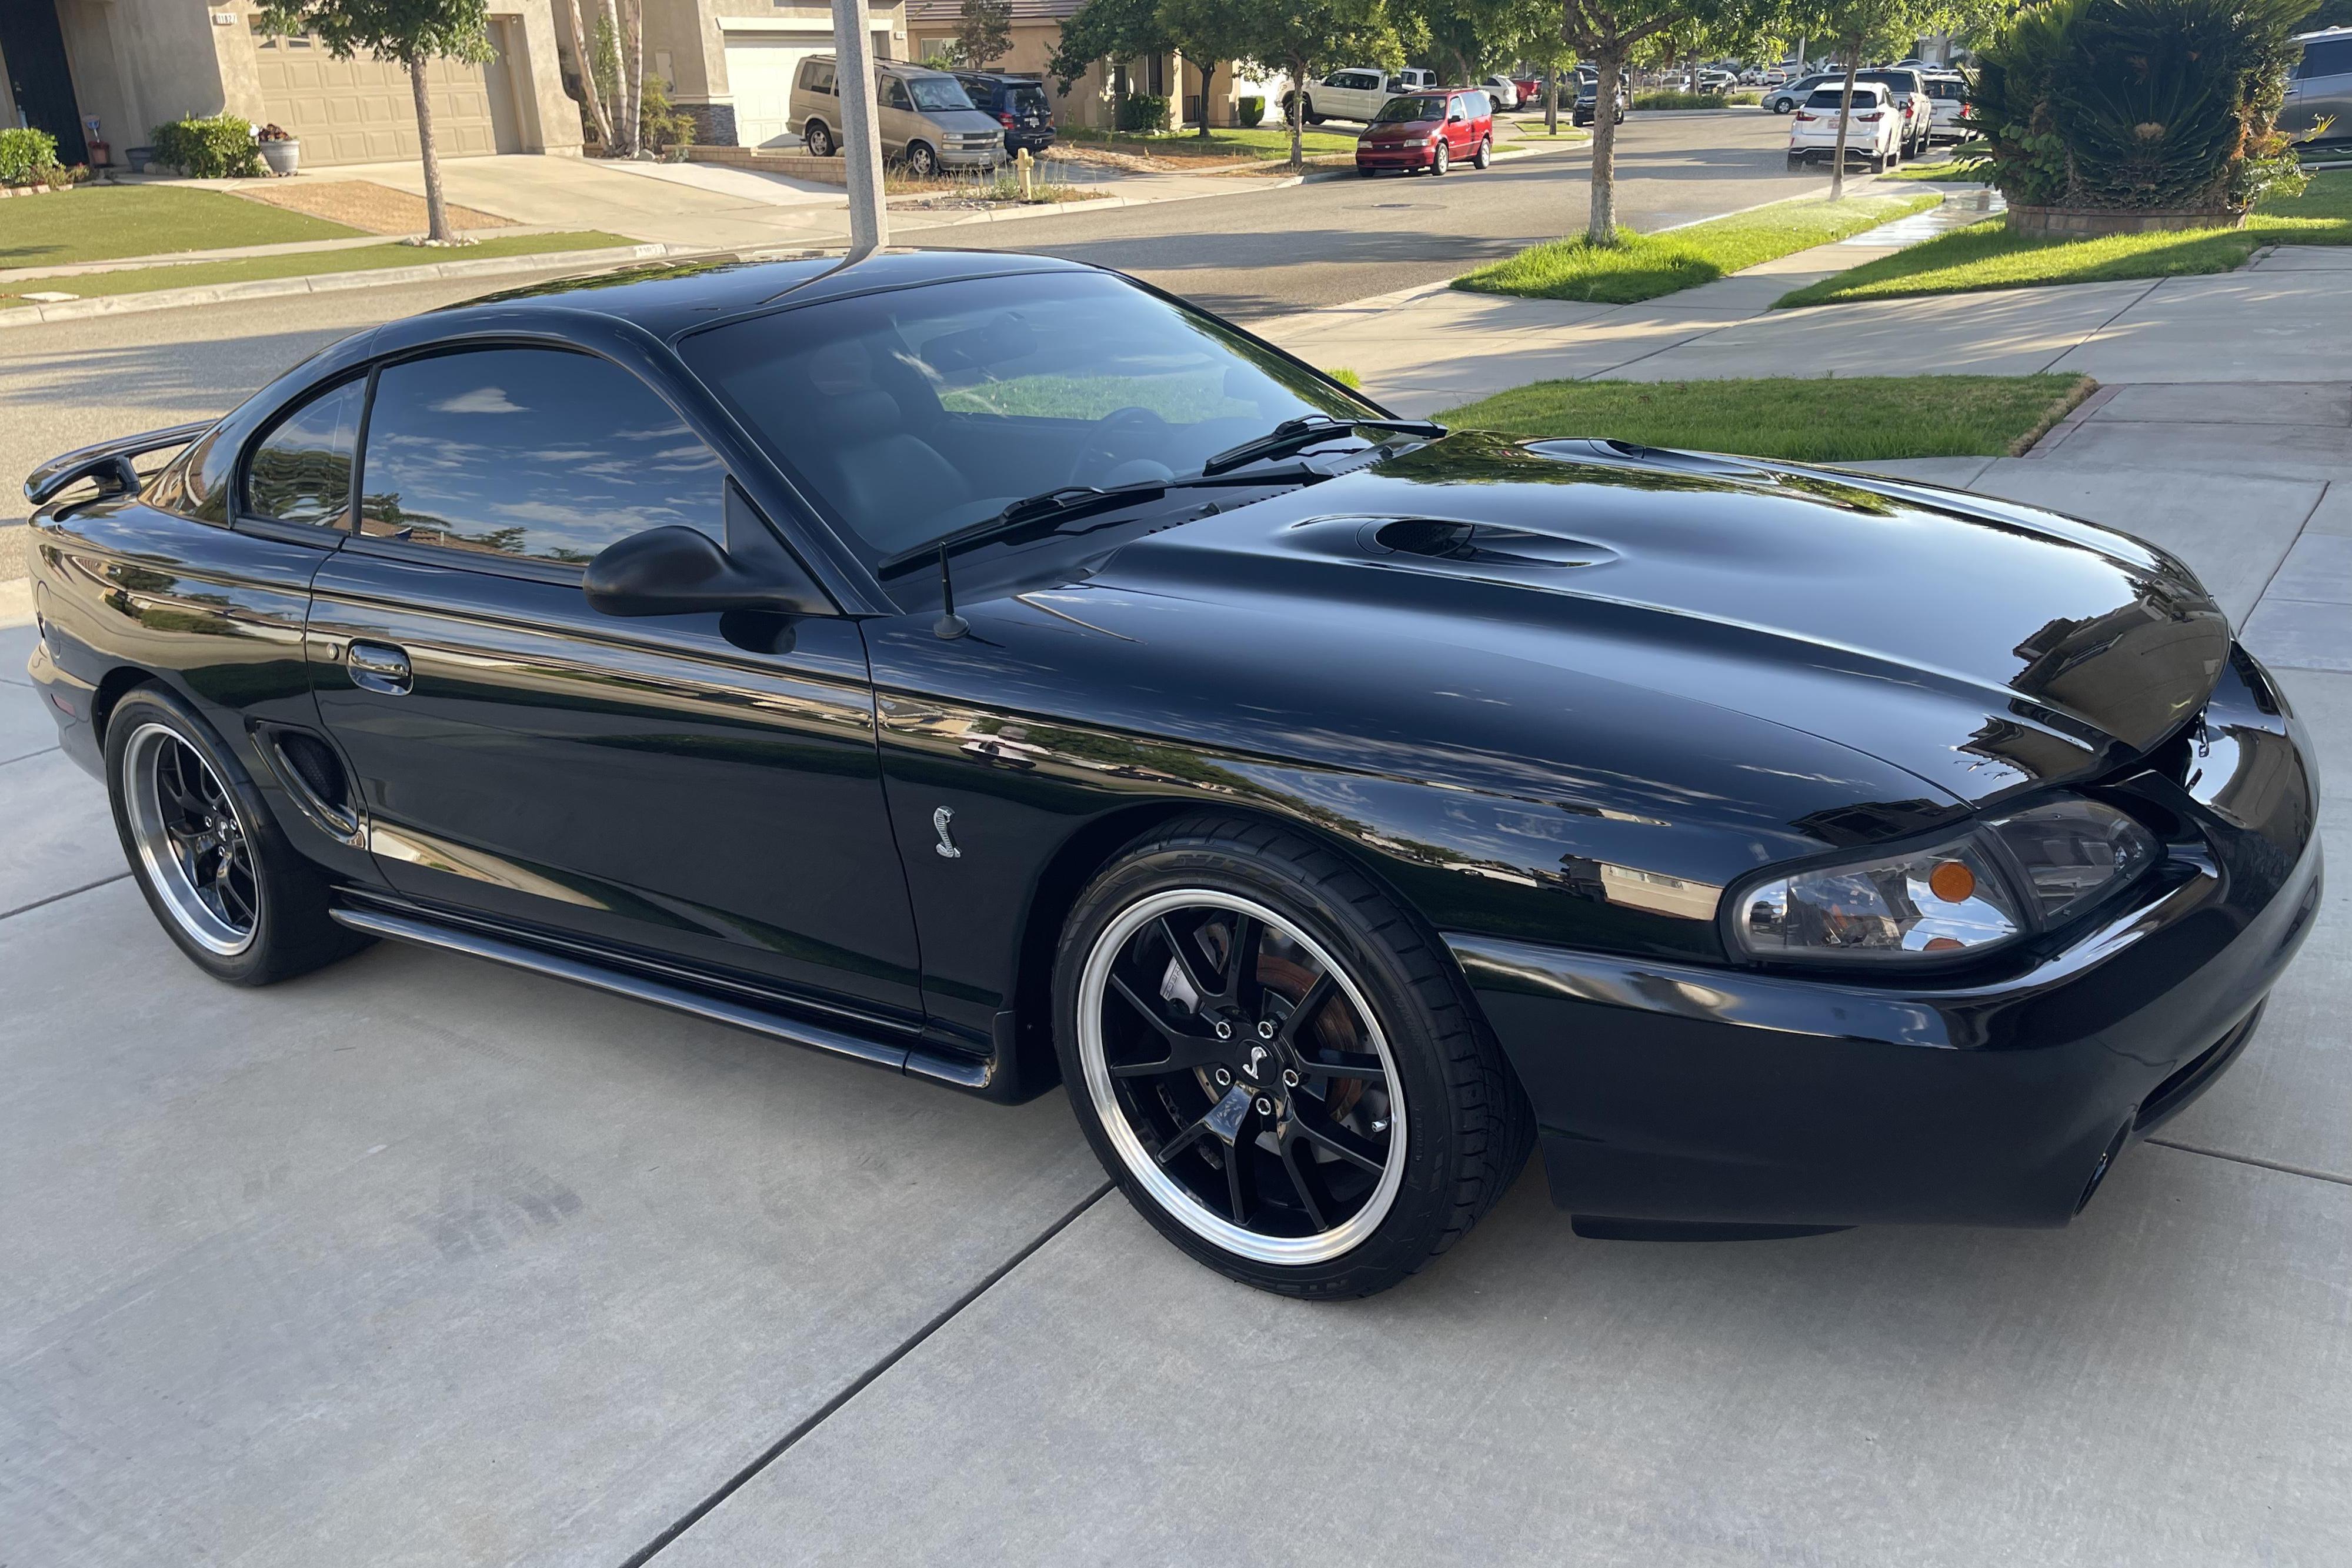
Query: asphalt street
66,383
1327,242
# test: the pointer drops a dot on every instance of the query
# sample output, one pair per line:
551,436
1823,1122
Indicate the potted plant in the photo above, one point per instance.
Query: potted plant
280,149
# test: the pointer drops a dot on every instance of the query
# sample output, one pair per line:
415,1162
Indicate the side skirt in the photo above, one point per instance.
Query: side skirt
956,1072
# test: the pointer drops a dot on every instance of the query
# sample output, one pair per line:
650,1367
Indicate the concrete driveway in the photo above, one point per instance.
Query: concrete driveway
416,1260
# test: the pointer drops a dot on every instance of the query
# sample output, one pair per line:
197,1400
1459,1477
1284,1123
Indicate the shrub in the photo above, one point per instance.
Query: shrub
210,149
1671,100
2138,104
1249,113
27,157
661,123
1143,112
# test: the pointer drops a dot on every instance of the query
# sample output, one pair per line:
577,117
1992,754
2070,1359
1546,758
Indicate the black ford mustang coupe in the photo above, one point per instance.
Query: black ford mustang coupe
992,669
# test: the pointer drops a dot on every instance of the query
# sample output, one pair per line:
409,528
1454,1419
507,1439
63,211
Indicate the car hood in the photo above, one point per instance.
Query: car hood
1981,646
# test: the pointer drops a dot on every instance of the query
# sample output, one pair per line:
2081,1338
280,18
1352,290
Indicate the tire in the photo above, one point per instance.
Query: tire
1781,106
922,160
240,901
1365,172
1291,1196
1439,160
1579,120
1878,162
818,138
1796,162
1618,119
1484,157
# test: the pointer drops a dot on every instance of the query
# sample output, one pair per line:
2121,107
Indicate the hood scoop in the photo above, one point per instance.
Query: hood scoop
1480,544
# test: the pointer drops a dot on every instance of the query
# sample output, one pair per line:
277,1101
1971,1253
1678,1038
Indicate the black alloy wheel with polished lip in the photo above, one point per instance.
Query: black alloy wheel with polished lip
1276,1066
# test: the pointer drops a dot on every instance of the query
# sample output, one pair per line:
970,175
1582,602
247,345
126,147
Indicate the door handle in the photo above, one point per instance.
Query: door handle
378,667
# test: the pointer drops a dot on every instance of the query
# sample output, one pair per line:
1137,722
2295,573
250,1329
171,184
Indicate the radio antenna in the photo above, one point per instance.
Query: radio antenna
949,625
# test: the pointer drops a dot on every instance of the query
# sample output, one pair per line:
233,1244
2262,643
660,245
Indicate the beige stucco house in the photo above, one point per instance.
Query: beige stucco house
1037,28
132,65
730,63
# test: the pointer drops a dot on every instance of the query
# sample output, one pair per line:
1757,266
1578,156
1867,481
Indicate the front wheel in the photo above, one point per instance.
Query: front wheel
1484,157
1276,1064
239,901
1440,161
818,138
922,162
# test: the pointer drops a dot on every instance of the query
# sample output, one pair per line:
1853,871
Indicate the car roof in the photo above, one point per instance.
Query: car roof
669,299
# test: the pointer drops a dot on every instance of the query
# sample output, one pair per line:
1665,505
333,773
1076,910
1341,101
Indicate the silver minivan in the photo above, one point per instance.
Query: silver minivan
2321,87
925,118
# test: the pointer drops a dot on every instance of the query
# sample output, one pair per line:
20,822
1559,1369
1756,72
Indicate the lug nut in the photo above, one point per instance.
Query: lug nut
1224,1030
1224,1078
1265,1106
1289,1079
1266,1029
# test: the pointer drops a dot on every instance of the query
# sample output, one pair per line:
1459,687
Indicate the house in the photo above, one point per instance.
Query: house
128,66
730,63
1037,28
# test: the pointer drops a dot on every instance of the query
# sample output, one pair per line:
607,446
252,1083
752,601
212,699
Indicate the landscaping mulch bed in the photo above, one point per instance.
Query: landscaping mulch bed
362,204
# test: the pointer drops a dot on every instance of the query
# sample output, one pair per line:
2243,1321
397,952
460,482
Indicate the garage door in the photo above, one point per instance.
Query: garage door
760,76
364,110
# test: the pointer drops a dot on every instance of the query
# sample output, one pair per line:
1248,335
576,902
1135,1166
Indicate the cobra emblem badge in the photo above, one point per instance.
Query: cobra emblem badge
942,820
1257,1055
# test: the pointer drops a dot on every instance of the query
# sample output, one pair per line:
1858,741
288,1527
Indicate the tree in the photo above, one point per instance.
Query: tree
1474,36
414,33
1303,38
983,33
1207,32
1878,27
593,99
1115,31
1607,33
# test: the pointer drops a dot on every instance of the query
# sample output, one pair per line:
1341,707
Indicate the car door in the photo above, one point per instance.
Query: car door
898,121
1459,141
693,790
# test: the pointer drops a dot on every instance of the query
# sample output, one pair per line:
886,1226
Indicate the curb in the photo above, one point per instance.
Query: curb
1101,204
332,282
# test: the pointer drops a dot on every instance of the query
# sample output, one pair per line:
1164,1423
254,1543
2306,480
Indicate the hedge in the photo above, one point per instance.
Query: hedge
210,149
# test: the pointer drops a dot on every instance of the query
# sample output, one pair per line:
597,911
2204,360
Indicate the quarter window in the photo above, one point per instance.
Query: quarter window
301,471
534,453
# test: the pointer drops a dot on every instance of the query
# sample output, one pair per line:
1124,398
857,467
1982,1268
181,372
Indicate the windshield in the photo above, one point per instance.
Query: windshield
910,414
938,92
1397,110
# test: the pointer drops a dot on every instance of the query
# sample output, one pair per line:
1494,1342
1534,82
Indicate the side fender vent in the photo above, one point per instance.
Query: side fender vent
314,774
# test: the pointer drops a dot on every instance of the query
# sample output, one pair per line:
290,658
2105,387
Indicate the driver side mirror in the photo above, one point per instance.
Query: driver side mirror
679,570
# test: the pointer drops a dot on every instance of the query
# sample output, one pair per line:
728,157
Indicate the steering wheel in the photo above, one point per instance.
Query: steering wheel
1108,438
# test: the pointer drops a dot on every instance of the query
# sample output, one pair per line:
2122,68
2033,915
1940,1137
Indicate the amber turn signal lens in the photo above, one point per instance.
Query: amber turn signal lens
1952,882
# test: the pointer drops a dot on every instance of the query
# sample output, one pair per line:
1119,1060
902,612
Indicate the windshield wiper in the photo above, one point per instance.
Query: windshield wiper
1296,434
1066,501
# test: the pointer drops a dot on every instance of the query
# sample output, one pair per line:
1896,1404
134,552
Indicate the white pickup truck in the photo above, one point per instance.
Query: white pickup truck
1358,92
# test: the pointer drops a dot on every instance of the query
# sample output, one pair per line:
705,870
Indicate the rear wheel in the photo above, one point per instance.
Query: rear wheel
238,899
818,138
1277,1065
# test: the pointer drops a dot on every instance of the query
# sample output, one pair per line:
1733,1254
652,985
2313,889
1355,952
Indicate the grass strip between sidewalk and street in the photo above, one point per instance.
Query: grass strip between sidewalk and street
1845,419
100,223
1225,146
1645,266
300,264
1989,256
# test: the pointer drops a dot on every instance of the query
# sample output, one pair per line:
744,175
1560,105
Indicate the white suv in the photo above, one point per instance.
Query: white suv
1947,94
1876,137
1358,92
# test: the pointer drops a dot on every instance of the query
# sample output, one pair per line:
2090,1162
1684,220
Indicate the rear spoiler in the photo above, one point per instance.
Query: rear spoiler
108,463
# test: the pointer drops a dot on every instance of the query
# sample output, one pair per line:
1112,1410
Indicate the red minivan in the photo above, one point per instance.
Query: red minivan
1431,131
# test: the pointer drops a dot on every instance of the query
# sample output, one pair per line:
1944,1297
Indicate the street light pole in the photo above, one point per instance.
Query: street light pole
861,138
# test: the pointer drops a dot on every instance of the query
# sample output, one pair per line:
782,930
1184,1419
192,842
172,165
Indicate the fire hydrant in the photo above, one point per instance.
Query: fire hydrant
1023,162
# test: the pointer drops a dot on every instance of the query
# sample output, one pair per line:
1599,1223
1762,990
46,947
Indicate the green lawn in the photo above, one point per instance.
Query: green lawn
1849,419
1644,267
99,223
1988,256
1265,142
1942,169
359,258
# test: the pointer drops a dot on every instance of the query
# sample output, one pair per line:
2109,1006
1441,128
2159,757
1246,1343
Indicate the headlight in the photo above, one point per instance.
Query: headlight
1996,882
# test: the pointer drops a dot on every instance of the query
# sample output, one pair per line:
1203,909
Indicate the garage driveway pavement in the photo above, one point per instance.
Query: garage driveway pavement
421,1261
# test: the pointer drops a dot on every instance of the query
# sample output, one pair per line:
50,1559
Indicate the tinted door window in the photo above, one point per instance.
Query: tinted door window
894,94
2331,57
301,471
533,453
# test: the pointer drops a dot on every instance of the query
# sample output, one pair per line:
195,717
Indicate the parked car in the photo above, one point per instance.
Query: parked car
2320,90
1947,106
1783,99
1588,92
1530,88
1431,131
1709,78
1017,103
1875,137
1502,89
924,117
1358,92
1909,89
1428,796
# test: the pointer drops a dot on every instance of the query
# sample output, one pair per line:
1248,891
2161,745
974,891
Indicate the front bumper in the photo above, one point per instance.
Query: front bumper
986,157
1396,155
1685,1092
